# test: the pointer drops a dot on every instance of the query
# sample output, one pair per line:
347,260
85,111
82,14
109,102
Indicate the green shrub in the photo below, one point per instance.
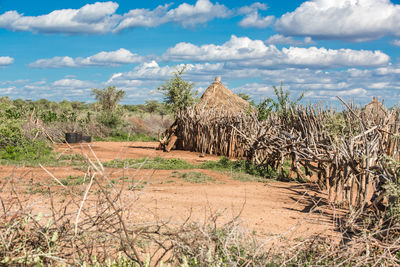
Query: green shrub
14,146
110,119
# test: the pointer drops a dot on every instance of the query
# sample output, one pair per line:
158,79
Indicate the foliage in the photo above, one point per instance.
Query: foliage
108,97
111,119
281,105
238,166
14,146
247,98
177,92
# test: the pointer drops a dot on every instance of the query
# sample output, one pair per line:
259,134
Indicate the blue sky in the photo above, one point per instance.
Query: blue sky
61,49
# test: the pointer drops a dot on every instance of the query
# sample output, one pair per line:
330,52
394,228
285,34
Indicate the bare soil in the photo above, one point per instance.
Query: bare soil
272,209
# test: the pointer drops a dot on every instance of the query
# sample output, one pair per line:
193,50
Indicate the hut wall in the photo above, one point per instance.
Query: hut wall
211,132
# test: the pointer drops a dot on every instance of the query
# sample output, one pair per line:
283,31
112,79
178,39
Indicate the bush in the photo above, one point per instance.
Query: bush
110,119
177,92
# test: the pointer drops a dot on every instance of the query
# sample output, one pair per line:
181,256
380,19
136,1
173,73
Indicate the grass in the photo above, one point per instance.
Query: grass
74,180
245,177
126,137
240,169
193,177
51,159
156,163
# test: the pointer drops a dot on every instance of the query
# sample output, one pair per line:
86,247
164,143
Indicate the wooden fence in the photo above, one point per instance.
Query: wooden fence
352,156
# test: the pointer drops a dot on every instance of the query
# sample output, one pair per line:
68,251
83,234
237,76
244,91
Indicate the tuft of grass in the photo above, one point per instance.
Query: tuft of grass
245,177
73,180
194,177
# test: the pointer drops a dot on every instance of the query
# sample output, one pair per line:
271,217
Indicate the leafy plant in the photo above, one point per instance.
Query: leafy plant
177,92
281,104
108,97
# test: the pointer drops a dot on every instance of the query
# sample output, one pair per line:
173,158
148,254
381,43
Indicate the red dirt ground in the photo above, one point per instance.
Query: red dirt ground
272,208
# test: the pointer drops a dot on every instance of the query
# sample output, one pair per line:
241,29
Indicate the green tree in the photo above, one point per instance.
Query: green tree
247,98
178,93
108,97
281,105
152,106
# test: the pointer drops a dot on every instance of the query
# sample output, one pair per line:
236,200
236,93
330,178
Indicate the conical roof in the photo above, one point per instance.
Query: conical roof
220,98
375,109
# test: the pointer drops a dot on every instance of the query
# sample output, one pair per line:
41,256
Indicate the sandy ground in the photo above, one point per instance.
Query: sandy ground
271,208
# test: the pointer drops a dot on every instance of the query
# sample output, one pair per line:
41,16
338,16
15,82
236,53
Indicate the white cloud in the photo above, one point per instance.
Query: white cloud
185,14
94,18
252,18
352,20
385,71
6,61
146,71
108,59
72,83
242,51
379,85
395,42
281,39
101,18
55,62
356,92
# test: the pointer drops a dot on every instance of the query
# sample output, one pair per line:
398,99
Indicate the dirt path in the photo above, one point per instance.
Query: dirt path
270,208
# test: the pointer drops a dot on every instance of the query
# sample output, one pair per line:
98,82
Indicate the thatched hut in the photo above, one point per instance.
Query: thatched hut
208,127
374,111
220,99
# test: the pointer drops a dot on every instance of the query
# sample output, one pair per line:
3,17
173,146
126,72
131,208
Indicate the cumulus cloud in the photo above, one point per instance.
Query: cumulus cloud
242,51
395,42
94,18
185,14
356,84
101,18
6,61
252,18
351,20
107,59
281,39
72,83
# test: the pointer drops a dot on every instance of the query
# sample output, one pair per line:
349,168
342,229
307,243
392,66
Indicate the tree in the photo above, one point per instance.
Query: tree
152,106
177,92
281,105
247,98
108,97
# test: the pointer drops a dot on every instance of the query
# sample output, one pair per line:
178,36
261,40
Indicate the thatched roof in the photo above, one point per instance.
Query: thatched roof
375,110
220,98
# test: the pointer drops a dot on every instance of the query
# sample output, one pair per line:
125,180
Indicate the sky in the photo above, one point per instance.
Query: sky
323,48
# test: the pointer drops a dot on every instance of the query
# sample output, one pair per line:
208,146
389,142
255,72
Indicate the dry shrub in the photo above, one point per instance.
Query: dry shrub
91,224
150,124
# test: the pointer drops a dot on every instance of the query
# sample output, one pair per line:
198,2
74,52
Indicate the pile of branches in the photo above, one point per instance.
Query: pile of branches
347,151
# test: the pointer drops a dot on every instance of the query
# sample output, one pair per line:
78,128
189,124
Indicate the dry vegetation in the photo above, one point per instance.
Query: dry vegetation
353,154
